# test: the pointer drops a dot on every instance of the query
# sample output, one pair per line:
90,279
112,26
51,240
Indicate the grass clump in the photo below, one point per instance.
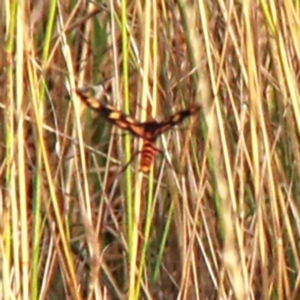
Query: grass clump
217,215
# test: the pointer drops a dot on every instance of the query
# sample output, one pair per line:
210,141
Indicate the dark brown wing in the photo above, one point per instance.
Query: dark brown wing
108,112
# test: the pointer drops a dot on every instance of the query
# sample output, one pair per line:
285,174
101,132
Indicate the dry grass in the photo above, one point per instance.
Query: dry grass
218,215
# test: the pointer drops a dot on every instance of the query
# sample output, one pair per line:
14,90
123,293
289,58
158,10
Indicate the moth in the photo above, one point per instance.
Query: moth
148,131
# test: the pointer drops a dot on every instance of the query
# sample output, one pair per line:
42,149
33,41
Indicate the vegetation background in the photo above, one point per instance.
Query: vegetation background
218,215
